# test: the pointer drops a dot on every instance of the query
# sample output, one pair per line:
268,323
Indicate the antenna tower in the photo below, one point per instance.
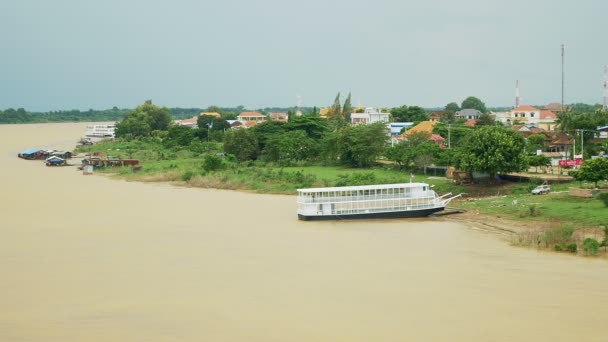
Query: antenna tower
605,107
299,106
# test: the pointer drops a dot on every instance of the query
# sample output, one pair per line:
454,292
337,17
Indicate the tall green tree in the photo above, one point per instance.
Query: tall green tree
143,120
493,149
472,102
290,147
347,108
485,119
241,143
361,145
593,170
335,112
452,107
409,114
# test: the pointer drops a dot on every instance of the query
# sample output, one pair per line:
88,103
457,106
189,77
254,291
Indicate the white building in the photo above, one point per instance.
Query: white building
369,116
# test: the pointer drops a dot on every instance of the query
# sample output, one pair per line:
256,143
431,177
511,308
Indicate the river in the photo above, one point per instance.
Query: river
90,258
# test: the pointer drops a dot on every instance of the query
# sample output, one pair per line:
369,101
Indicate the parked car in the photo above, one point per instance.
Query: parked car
541,189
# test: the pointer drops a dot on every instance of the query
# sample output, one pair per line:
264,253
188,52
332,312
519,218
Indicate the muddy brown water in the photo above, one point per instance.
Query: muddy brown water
88,258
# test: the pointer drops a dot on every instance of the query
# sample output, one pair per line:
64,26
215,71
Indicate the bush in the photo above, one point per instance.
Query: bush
358,178
571,248
603,196
590,246
186,176
212,163
533,210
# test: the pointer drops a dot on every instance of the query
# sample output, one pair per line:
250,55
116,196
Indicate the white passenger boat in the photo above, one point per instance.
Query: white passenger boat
370,201
100,131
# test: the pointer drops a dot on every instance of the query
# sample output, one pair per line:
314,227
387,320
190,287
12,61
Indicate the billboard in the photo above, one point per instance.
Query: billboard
566,162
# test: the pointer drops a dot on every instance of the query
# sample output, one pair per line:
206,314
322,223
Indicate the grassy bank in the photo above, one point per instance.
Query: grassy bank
203,165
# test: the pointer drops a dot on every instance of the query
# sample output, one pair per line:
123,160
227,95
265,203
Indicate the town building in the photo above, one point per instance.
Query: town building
250,119
468,114
369,116
280,116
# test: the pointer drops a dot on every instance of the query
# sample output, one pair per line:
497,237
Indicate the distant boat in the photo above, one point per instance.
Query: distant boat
370,201
100,131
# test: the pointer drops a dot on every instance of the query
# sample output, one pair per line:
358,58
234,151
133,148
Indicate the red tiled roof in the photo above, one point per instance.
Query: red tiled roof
250,114
436,137
524,108
547,114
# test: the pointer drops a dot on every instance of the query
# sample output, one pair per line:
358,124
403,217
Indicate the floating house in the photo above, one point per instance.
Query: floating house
55,161
32,154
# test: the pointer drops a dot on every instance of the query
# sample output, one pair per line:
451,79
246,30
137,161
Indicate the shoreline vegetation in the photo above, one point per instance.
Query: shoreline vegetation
554,222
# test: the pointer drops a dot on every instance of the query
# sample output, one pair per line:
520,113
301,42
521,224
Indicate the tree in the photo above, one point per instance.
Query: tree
241,143
143,120
417,151
535,142
593,170
347,108
291,146
361,145
335,112
485,119
214,109
452,107
472,102
539,161
409,114
313,125
493,149
180,135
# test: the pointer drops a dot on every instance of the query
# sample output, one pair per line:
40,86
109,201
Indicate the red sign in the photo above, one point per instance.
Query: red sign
574,162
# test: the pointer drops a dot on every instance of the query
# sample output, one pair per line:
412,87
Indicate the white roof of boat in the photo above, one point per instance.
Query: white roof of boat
365,187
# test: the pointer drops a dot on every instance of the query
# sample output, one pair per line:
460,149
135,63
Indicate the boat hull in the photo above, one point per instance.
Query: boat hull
383,215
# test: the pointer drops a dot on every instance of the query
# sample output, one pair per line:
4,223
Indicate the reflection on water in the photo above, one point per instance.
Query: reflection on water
88,258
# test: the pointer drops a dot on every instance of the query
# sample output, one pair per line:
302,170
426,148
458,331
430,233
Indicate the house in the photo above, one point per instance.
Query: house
555,107
529,115
280,117
214,114
526,114
437,140
560,142
32,153
423,126
369,116
470,122
467,114
436,115
395,128
603,132
548,120
192,122
250,119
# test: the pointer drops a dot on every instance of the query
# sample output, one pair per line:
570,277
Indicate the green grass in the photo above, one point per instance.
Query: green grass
554,207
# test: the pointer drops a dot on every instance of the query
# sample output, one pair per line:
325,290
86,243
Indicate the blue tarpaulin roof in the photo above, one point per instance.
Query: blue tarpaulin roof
30,151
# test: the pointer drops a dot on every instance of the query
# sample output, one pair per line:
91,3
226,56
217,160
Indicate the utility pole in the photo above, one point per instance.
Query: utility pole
605,107
562,77
449,135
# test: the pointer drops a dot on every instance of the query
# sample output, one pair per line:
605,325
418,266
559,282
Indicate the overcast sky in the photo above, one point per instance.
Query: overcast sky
81,54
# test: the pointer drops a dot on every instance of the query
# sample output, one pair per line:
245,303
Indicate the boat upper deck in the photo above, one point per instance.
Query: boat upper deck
364,187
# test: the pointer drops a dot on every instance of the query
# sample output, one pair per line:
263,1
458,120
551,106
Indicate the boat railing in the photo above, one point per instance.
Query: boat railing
339,199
